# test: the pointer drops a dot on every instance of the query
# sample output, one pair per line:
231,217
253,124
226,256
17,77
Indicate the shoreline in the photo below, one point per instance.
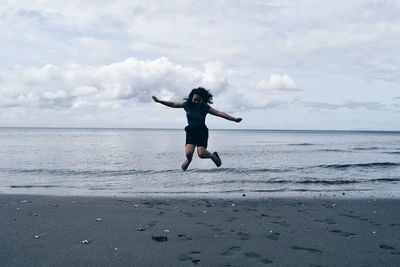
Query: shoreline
40,230
239,194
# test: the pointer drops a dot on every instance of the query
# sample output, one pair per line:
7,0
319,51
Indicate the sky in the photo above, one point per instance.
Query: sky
278,64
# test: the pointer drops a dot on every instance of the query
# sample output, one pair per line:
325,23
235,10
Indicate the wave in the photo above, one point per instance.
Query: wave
360,165
328,182
34,186
238,171
385,180
367,148
329,190
65,172
302,144
332,150
235,186
281,190
285,181
303,182
208,192
133,172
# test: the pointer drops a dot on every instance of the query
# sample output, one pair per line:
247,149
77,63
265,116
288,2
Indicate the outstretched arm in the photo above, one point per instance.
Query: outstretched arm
223,115
168,103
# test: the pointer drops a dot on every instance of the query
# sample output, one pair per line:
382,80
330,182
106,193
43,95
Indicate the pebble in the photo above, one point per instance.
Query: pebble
141,229
85,241
233,205
36,237
159,238
18,209
98,220
25,201
167,231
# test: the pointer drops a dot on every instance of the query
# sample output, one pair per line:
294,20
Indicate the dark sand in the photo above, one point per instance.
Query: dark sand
47,231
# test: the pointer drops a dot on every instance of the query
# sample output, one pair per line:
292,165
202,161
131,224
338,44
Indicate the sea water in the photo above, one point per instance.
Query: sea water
132,162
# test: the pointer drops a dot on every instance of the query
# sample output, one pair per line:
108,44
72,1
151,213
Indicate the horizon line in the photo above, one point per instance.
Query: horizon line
218,129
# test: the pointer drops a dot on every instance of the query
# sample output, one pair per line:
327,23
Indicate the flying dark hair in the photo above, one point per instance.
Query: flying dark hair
203,93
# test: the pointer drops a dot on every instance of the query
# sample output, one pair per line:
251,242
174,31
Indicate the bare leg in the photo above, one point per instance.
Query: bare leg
189,150
205,154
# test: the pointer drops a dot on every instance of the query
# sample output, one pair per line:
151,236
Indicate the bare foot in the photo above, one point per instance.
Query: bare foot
216,159
185,165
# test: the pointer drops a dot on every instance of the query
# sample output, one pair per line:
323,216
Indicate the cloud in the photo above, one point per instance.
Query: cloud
255,54
276,92
133,81
278,82
255,34
75,86
350,104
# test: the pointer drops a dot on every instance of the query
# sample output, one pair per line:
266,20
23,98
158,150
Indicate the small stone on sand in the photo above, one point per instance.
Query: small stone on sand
159,238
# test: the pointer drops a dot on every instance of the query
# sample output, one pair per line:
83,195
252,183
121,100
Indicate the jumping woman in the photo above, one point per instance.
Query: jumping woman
196,107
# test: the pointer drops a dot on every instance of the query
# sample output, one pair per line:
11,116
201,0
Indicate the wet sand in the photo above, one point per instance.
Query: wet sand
106,231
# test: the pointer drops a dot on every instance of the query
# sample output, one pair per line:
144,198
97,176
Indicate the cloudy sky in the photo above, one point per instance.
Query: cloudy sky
279,64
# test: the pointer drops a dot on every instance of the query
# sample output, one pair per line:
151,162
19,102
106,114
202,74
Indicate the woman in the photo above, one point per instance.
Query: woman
196,107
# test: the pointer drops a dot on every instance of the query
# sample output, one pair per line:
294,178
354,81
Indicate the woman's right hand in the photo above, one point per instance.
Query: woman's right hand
155,99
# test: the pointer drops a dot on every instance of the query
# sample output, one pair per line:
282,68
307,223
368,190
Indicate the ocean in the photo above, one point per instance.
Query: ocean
137,162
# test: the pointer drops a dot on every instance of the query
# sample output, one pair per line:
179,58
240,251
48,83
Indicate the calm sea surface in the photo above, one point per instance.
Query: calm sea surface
131,162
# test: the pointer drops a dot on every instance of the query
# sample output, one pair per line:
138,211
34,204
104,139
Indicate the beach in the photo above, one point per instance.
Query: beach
37,230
